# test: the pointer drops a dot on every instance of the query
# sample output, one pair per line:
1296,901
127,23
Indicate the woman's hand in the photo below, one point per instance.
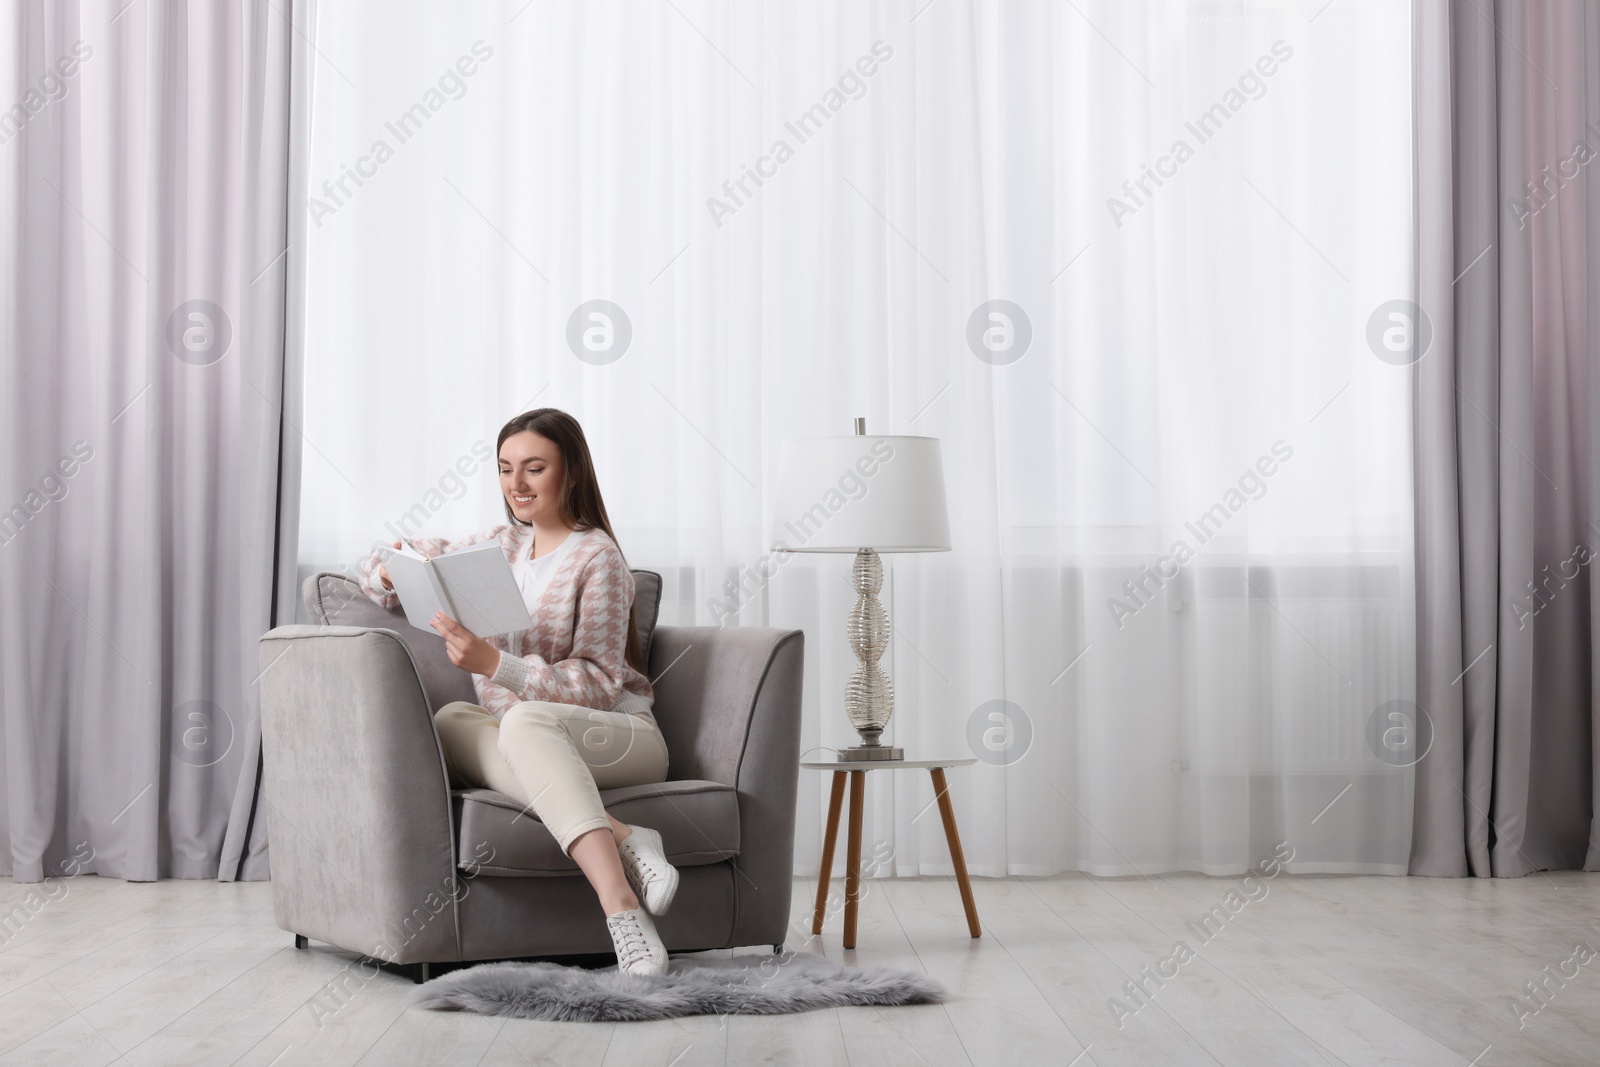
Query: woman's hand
383,572
467,651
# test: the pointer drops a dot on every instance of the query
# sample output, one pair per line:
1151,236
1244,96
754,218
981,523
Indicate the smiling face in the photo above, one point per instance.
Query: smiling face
531,475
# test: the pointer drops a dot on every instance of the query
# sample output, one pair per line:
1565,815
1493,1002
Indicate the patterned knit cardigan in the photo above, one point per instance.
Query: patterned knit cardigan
575,652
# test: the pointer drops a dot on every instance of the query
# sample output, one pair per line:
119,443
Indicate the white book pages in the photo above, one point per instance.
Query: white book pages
473,586
413,581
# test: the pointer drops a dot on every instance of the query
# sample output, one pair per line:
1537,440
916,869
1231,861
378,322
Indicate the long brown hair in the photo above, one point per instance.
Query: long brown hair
580,504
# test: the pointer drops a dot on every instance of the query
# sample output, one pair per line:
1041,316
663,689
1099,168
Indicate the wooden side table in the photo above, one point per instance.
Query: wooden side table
857,770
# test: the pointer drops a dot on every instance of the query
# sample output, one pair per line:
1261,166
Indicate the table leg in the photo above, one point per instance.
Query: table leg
852,857
954,840
830,837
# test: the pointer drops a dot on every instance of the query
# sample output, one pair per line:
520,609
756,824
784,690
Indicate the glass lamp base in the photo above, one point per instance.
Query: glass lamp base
862,753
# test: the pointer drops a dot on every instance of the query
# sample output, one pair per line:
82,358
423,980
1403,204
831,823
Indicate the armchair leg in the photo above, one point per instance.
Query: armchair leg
419,973
300,941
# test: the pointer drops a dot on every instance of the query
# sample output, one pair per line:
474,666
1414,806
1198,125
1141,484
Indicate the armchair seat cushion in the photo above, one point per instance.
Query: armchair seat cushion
698,822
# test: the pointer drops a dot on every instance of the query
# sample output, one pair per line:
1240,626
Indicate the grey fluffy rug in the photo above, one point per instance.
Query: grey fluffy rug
742,985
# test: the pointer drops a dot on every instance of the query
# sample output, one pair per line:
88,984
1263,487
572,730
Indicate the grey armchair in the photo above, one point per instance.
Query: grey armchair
373,851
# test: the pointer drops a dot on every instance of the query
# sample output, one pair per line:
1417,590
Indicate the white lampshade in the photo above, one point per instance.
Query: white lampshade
841,494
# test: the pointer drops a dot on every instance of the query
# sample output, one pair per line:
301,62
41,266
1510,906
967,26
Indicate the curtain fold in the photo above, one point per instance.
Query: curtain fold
279,172
1506,452
143,167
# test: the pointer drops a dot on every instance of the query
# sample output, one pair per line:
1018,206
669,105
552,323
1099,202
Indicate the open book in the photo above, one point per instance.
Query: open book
474,586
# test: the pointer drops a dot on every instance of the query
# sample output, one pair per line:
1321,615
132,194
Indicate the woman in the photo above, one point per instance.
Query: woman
564,707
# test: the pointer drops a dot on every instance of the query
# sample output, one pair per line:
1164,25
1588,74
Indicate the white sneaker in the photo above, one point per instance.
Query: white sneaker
639,947
644,861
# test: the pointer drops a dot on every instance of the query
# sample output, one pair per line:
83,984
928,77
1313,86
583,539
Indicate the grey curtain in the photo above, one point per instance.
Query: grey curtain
146,474
1506,466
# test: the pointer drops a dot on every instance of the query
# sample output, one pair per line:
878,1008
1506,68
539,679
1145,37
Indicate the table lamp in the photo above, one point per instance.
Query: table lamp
866,495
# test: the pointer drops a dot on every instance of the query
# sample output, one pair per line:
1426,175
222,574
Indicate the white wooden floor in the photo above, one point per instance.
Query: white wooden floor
1322,970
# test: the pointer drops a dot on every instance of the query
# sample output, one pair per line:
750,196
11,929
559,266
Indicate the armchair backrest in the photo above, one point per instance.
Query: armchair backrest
337,600
727,698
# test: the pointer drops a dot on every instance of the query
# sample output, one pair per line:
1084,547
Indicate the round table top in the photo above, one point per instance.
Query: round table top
883,764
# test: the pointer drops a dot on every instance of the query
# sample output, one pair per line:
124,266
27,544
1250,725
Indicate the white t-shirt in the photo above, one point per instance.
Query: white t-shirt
533,575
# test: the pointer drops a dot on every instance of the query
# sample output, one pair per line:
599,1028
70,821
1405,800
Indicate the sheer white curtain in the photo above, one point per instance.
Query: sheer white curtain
1193,210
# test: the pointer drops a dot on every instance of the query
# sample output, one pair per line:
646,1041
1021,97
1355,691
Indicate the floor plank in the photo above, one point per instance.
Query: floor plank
1323,970
912,1034
997,1008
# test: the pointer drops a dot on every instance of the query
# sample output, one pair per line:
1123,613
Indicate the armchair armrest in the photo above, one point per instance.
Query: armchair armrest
356,795
728,704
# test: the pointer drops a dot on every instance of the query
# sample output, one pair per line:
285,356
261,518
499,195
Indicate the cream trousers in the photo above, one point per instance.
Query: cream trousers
554,758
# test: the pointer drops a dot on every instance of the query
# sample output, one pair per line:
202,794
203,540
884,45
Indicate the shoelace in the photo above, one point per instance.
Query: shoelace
634,945
642,869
